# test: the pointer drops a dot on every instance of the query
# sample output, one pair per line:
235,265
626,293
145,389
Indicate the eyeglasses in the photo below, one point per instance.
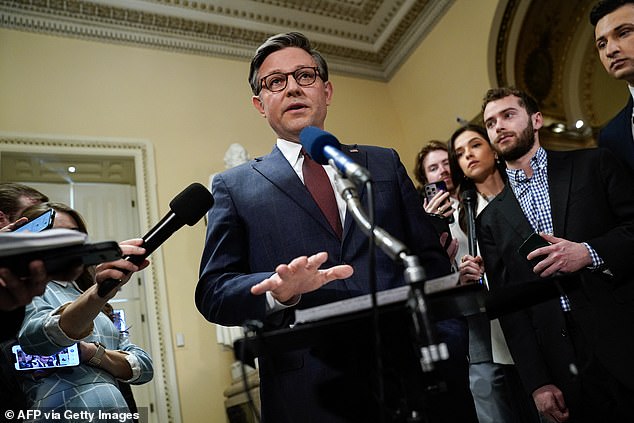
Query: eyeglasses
277,81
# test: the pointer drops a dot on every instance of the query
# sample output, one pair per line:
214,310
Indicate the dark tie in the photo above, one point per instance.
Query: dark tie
318,184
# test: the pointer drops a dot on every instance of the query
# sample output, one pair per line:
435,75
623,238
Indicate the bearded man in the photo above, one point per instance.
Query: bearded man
573,351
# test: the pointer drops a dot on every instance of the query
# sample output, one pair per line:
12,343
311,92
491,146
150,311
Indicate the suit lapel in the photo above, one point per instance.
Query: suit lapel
511,211
559,180
361,158
275,168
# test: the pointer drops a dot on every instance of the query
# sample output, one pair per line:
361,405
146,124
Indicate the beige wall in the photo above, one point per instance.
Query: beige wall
191,108
445,77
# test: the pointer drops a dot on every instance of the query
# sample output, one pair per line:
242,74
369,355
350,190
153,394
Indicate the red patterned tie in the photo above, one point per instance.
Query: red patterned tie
318,184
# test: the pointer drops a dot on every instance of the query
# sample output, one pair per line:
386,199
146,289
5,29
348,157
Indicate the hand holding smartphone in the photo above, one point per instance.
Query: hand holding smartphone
431,190
533,242
39,223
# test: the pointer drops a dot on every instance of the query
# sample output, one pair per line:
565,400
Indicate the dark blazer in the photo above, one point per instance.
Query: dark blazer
616,135
592,200
264,216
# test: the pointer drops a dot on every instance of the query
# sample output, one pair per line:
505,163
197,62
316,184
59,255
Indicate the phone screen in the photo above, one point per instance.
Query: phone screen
69,356
38,224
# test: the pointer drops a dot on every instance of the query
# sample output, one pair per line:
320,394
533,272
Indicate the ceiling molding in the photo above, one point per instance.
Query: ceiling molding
364,38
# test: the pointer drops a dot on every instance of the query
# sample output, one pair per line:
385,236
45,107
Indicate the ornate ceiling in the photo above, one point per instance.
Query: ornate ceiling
367,38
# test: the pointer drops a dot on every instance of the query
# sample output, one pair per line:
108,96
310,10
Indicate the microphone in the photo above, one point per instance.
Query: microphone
324,148
469,200
186,208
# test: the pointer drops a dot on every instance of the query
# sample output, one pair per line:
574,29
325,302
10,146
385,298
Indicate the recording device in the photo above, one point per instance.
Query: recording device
441,224
469,201
39,223
325,149
67,357
186,208
433,188
533,242
60,259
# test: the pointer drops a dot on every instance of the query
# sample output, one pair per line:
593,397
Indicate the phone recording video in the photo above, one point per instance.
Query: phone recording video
40,223
65,358
433,188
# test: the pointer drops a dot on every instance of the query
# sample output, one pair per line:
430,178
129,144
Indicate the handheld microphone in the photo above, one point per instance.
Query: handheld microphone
469,200
324,148
186,208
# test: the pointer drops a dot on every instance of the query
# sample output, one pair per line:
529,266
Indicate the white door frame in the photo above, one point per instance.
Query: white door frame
168,404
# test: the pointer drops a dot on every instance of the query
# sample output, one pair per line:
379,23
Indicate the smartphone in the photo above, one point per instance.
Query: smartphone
433,188
83,254
67,357
441,224
40,223
533,242
59,259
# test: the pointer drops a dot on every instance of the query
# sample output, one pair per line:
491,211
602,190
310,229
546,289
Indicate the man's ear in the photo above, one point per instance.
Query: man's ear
538,120
329,91
258,104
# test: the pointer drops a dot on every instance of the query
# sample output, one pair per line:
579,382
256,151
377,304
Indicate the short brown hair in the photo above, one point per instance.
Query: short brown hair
526,101
10,195
419,168
279,42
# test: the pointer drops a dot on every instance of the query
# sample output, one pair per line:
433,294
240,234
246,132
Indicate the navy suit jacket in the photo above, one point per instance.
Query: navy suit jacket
264,216
592,201
616,135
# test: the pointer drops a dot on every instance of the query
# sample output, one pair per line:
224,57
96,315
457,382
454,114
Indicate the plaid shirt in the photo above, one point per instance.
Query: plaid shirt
532,194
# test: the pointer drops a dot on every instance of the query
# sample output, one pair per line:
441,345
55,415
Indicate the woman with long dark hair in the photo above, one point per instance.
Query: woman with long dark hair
495,384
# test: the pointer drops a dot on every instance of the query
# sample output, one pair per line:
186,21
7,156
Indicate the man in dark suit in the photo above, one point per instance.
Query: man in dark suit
613,22
574,352
264,216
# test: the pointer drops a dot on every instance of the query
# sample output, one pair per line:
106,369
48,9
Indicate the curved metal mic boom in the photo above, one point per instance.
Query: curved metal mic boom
414,273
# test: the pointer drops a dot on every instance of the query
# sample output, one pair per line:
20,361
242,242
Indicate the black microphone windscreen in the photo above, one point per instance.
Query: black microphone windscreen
192,203
314,140
469,196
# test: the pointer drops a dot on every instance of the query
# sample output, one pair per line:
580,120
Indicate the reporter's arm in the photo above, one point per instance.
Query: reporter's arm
77,317
129,363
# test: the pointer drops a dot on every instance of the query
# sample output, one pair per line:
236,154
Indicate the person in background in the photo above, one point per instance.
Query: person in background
613,22
72,312
16,291
271,250
497,390
432,165
14,198
573,351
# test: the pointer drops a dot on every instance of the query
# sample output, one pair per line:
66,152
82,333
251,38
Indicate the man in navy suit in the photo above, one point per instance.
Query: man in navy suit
613,22
573,352
270,250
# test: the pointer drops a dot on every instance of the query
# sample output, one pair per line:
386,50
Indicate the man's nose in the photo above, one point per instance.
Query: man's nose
612,48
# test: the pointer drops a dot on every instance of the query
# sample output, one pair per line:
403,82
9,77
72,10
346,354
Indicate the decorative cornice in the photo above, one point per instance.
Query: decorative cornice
366,38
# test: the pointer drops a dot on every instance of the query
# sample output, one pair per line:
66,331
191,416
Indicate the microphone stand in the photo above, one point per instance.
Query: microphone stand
430,350
373,287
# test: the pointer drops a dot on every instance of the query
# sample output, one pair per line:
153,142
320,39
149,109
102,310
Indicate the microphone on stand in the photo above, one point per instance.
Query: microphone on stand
469,200
186,208
324,148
